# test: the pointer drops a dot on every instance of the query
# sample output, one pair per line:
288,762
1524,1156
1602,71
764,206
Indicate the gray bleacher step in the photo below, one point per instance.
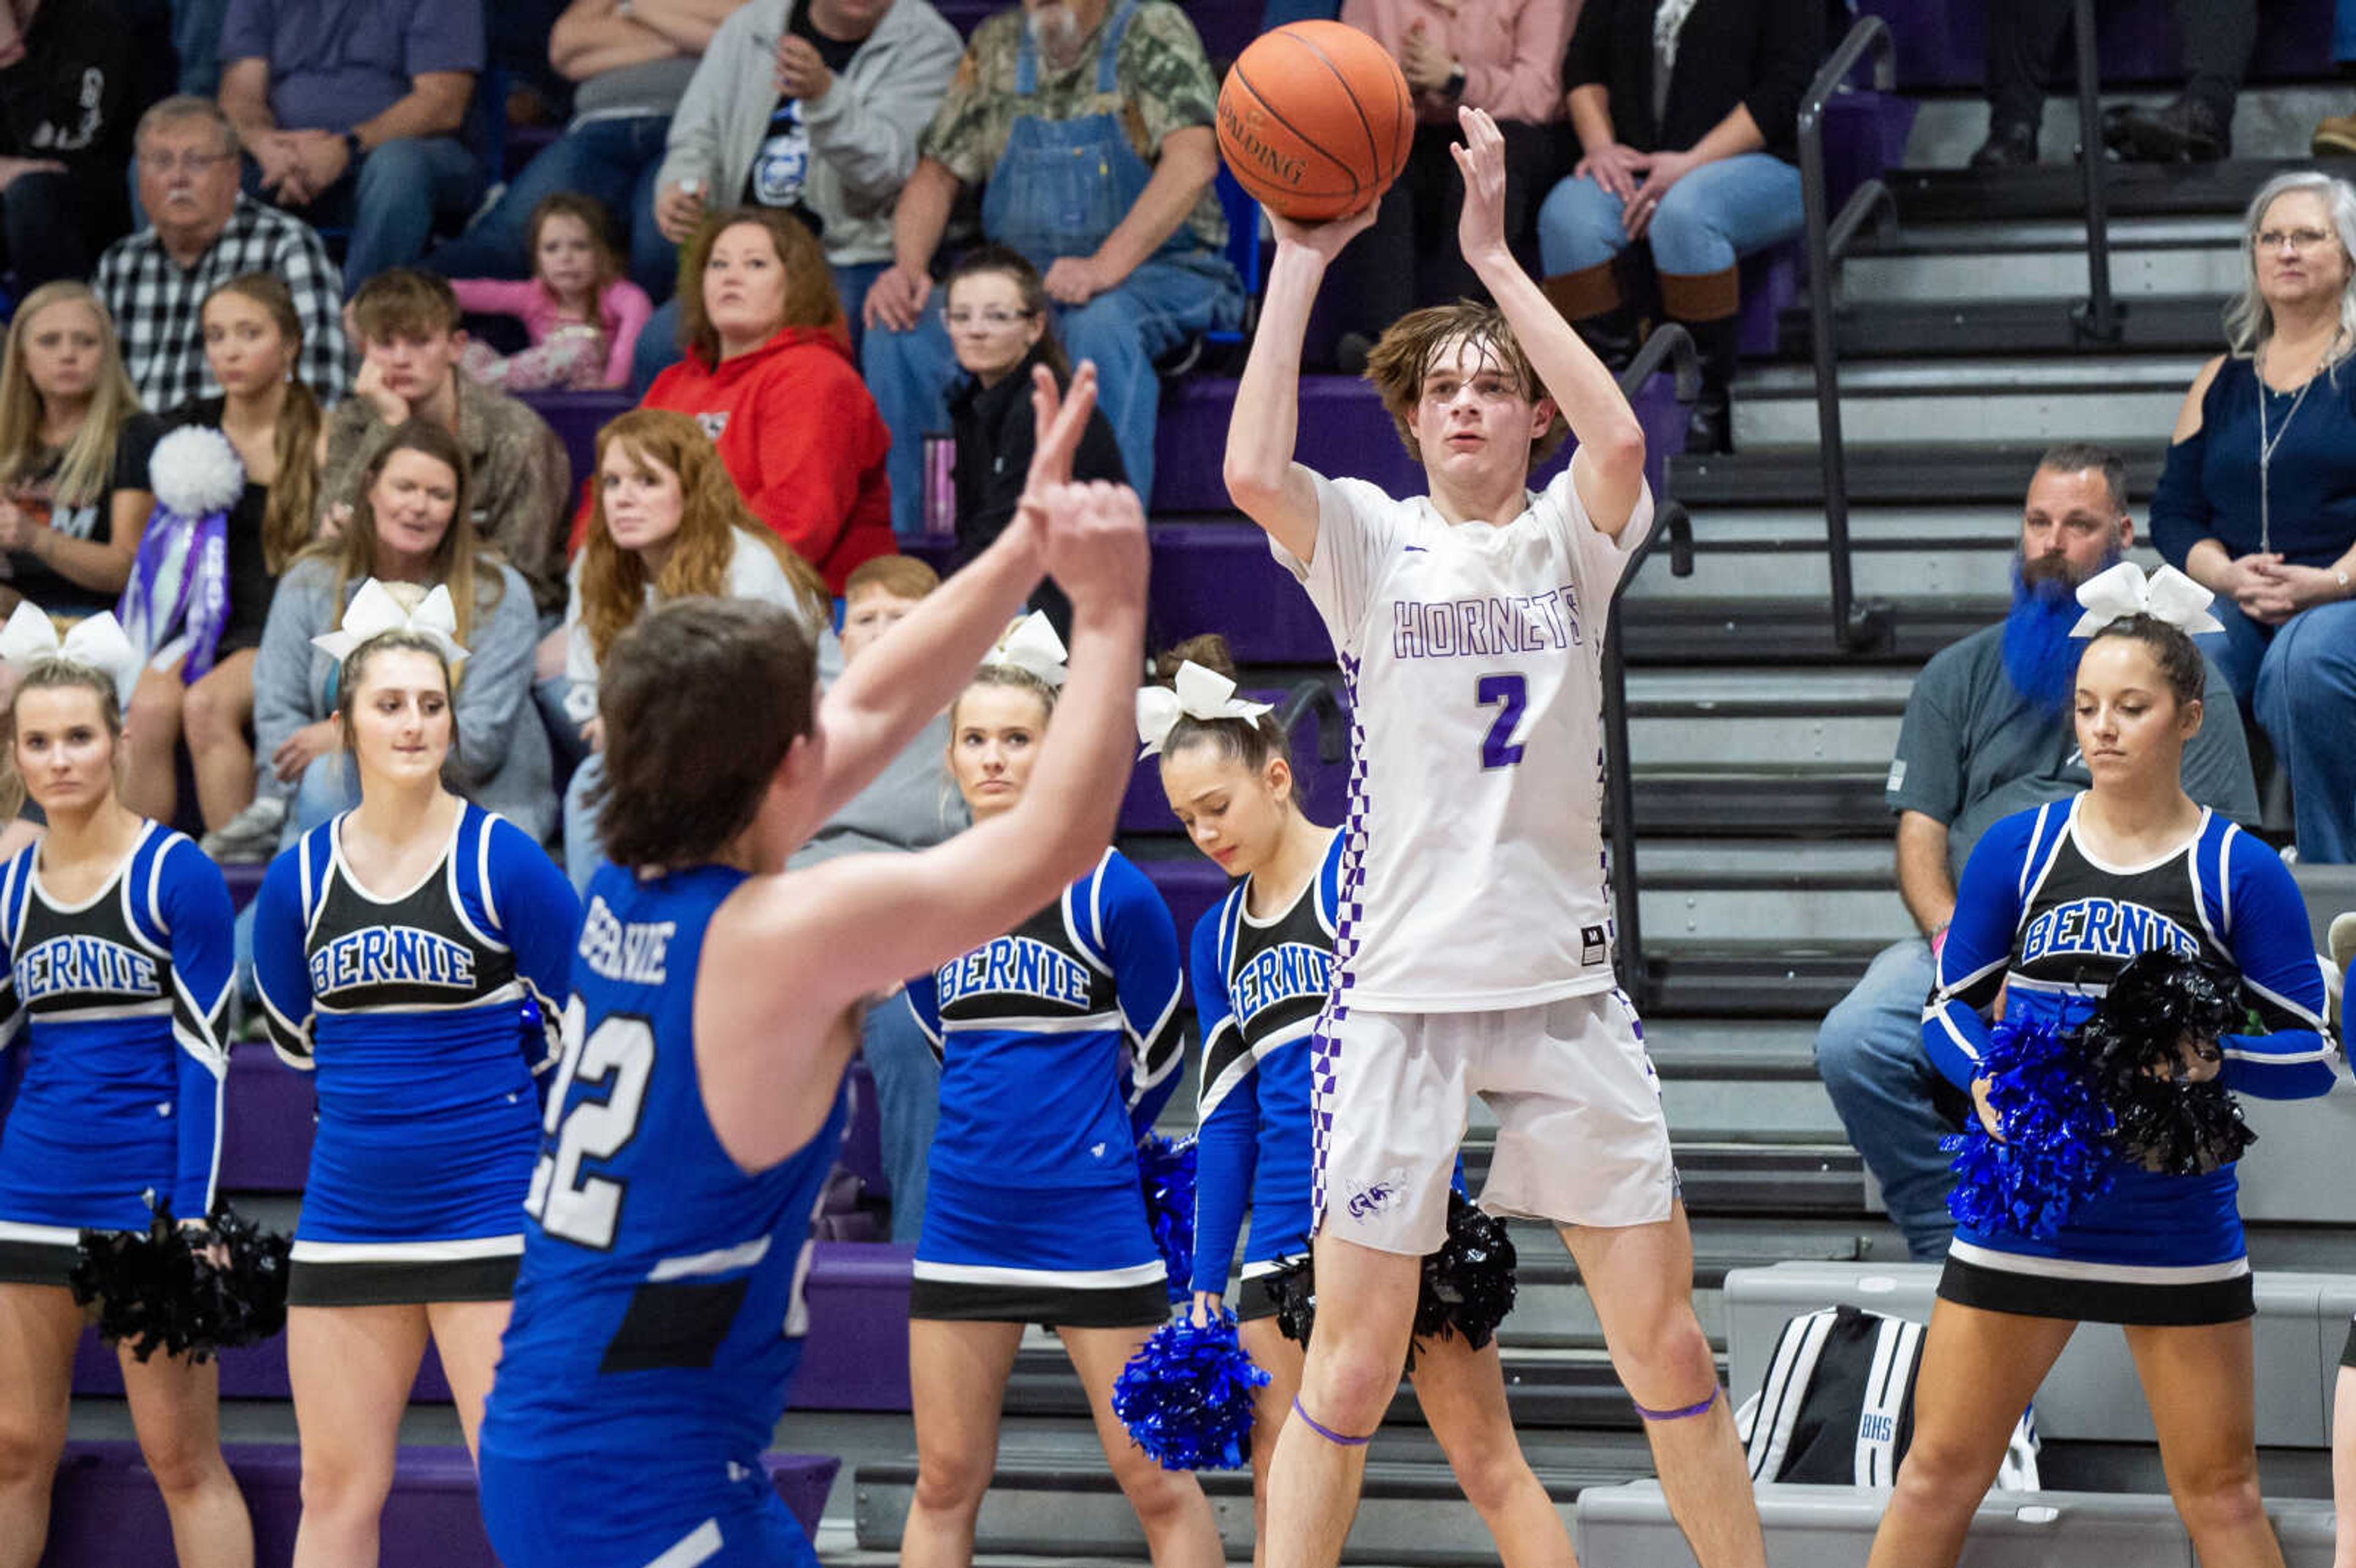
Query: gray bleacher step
1994,473
2053,190
1943,268
1727,720
1809,804
2115,399
1693,891
1751,979
1881,329
1897,554
1777,633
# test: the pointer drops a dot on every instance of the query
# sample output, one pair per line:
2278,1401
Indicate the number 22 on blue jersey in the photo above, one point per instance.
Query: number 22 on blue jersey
614,1062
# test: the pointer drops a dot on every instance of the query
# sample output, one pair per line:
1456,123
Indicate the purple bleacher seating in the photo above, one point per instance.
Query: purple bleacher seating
576,417
1944,42
856,1357
862,1141
257,1372
1320,787
1190,885
245,881
106,1512
266,1138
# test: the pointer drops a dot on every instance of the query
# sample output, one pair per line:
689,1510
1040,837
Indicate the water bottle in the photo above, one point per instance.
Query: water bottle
941,487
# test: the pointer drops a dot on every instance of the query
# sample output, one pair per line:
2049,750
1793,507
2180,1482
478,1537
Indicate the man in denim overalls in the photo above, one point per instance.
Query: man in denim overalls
1088,126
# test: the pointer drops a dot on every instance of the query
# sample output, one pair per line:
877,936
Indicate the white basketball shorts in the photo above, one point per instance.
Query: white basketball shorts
1580,1136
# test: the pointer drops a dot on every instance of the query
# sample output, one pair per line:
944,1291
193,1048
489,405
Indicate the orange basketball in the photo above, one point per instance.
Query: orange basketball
1315,119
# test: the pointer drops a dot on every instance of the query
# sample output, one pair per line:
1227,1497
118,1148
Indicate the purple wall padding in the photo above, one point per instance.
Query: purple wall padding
856,1355
106,1513
257,1372
576,417
266,1135
862,1141
1189,886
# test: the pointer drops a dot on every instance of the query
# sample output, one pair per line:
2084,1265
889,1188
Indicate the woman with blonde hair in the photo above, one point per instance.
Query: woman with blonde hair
199,682
666,522
68,531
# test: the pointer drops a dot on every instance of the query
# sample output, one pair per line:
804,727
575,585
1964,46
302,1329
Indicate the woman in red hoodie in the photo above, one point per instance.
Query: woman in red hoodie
769,376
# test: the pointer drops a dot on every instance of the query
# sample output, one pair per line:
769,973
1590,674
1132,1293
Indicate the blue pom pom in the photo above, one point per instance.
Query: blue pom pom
1186,1396
2056,1153
1166,1168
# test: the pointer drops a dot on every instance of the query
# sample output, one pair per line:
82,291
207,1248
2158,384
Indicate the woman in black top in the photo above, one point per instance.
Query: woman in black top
254,341
65,402
1686,111
1000,326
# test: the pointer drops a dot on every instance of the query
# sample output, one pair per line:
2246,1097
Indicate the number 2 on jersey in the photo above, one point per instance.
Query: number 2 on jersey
1510,696
619,1057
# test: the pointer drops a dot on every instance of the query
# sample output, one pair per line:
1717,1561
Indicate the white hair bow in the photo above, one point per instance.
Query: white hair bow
2166,595
96,641
1197,693
1031,644
374,612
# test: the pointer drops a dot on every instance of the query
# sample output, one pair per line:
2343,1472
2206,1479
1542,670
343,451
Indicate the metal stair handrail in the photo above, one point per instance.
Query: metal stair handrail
2098,318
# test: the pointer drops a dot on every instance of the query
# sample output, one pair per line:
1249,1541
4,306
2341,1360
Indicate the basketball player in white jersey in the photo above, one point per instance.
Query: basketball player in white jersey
1474,950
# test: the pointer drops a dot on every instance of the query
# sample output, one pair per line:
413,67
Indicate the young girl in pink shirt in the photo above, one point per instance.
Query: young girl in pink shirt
583,315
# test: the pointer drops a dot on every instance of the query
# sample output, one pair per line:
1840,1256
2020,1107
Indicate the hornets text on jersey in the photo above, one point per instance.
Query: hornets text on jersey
1260,985
112,1014
658,1315
427,1015
2043,919
1473,656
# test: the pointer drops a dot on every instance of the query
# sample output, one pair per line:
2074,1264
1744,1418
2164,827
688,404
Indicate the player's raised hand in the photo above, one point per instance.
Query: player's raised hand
1326,239
1481,159
1058,420
1093,539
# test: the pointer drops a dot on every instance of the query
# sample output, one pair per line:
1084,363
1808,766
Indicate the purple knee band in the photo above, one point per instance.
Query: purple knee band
1327,1432
1691,1410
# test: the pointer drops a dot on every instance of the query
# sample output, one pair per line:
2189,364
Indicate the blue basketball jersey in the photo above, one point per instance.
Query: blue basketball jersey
2041,917
658,1315
113,1010
1260,985
427,1016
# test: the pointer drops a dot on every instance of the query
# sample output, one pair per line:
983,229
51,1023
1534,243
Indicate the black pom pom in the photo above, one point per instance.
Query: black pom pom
1468,1284
2159,1005
185,1294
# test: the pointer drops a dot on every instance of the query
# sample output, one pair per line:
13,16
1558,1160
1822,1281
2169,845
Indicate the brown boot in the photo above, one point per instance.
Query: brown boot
1589,300
2335,137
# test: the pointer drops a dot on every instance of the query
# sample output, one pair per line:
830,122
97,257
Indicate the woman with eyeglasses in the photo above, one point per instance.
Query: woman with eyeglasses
998,321
2258,499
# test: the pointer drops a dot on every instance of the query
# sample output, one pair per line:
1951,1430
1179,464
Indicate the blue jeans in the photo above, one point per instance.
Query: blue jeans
659,350
391,204
2299,678
1721,211
327,786
1166,301
195,38
615,161
907,1103
1869,1053
2343,31
583,852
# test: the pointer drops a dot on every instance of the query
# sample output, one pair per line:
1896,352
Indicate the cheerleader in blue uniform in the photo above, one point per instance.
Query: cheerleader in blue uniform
1260,964
1060,1041
116,938
698,1108
412,954
2053,904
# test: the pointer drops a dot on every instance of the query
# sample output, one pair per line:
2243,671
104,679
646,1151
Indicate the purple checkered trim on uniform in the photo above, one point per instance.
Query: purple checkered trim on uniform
1324,1048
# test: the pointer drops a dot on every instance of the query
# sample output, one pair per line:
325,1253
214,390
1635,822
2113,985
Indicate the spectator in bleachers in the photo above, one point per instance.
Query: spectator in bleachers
2335,136
518,473
769,377
1986,734
412,530
199,686
64,401
584,317
632,61
353,116
2196,126
1687,112
2258,500
812,109
1000,326
1503,56
65,136
203,232
912,804
1087,126
665,522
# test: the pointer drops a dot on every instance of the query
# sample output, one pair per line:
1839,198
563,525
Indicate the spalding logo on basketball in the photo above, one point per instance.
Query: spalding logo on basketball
1315,120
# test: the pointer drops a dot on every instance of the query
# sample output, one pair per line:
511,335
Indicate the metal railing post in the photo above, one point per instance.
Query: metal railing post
2098,320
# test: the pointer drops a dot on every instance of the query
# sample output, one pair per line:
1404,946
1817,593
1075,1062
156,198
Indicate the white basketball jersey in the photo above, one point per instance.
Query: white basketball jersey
1475,878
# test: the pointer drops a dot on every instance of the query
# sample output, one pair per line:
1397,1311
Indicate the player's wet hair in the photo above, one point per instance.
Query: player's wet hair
701,700
354,674
1413,344
2172,651
1248,742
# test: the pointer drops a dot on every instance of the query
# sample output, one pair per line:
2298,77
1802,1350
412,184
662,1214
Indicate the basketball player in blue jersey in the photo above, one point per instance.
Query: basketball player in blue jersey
412,954
1060,1040
1472,952
1262,963
698,1106
116,932
2053,904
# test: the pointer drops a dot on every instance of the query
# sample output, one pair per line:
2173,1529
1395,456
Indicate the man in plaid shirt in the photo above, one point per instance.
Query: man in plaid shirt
204,233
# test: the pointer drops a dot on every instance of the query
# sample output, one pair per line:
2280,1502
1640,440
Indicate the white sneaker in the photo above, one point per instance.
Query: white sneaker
250,838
